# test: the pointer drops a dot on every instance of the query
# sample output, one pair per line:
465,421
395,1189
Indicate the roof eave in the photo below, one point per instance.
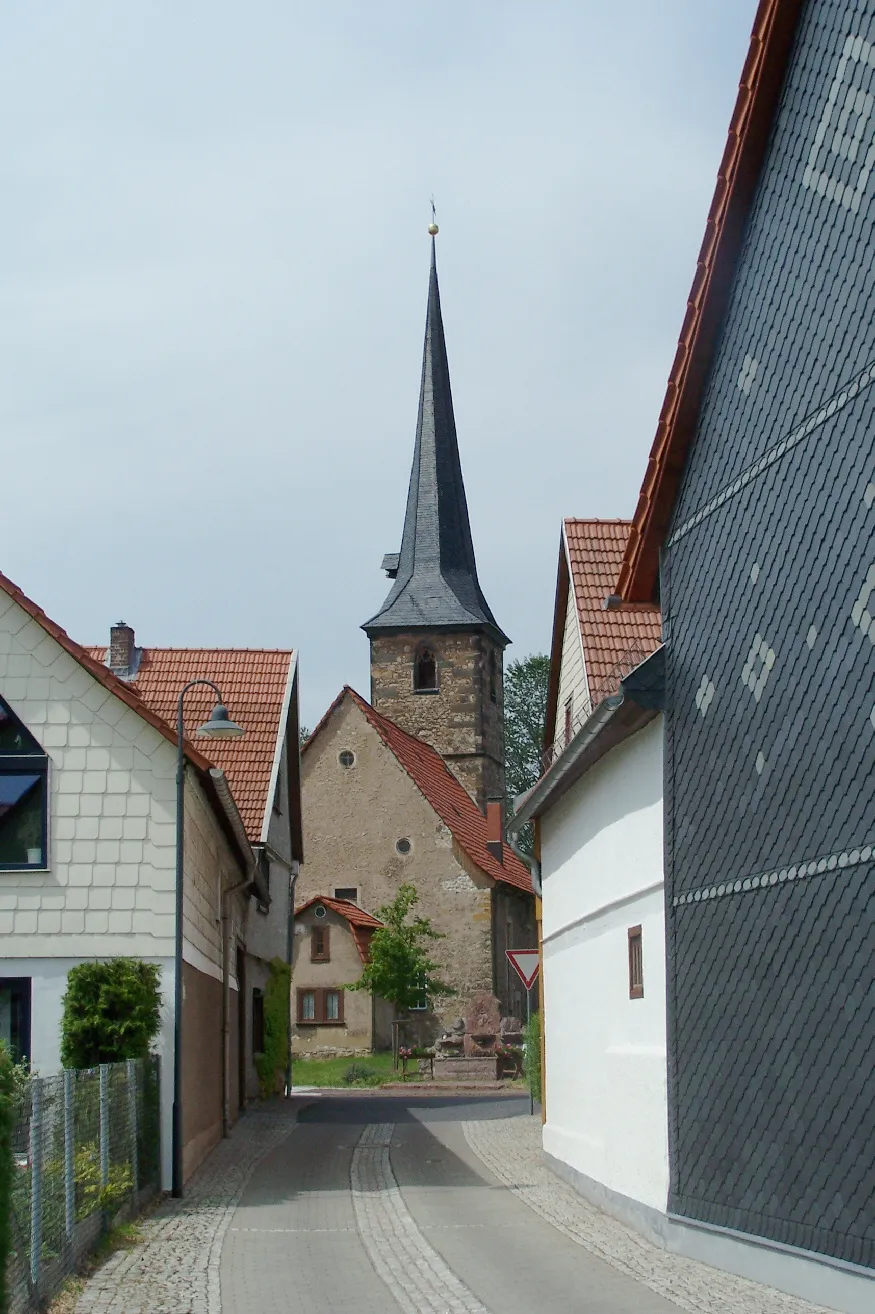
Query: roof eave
750,128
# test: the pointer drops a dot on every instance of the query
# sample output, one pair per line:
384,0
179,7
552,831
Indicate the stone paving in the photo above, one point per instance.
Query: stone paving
176,1269
511,1150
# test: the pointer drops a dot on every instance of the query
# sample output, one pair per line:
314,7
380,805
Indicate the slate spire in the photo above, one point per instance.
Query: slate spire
436,585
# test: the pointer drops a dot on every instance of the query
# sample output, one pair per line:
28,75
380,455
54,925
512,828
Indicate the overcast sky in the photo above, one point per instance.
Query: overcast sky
213,267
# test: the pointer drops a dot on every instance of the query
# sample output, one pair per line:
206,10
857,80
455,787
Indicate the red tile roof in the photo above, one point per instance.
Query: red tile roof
749,129
450,800
614,639
361,923
253,682
93,664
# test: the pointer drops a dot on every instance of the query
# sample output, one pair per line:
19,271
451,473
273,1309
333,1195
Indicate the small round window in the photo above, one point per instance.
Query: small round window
346,758
403,846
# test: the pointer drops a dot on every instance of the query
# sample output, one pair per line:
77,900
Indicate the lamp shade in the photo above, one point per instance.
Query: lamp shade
220,725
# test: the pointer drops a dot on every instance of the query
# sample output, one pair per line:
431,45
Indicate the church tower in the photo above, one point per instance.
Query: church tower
436,649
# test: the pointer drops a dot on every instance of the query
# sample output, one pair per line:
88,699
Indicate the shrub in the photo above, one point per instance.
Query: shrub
357,1073
112,1012
8,1107
532,1064
274,1059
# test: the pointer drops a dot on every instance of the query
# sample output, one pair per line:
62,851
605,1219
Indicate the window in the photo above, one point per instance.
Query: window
493,679
425,672
350,893
257,1022
24,792
569,707
319,945
421,1005
346,758
636,964
320,1007
15,1015
403,846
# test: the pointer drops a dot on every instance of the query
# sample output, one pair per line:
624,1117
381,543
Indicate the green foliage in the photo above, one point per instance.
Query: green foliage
532,1065
91,1196
8,1114
398,968
359,1075
331,1072
277,1001
112,1012
525,714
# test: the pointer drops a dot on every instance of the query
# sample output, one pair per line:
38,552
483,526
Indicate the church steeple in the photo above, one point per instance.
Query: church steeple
435,573
436,648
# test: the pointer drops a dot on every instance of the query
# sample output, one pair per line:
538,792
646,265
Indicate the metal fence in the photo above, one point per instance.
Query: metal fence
87,1149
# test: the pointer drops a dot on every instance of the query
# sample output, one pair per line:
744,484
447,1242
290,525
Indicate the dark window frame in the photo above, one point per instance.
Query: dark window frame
636,963
320,1011
343,892
24,985
322,955
425,658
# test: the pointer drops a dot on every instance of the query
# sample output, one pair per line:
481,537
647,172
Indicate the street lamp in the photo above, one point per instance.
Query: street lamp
219,726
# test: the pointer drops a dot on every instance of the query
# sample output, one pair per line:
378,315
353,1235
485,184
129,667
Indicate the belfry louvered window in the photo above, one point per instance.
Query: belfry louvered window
24,768
425,672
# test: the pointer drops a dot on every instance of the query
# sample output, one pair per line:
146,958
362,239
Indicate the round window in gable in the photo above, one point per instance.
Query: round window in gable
403,846
346,758
319,911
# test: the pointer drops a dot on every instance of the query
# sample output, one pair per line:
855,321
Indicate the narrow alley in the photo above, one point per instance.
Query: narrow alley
381,1204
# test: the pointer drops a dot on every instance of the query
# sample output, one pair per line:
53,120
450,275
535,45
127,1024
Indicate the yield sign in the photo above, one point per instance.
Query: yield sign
525,964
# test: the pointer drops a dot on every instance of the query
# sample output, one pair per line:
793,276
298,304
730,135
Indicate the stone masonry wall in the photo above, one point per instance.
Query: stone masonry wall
460,720
353,818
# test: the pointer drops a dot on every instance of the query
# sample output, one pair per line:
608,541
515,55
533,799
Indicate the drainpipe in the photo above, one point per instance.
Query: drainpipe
530,861
226,1003
290,953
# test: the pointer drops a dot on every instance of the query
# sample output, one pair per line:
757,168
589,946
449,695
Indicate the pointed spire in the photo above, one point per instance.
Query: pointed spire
436,585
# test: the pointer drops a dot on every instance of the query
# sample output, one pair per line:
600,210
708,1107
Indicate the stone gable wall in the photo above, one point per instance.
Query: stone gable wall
353,818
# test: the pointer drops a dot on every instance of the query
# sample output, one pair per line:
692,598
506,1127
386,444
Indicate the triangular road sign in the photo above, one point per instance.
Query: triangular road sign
525,964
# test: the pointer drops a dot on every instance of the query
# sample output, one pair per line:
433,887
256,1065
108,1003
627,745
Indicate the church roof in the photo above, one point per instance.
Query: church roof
449,799
435,573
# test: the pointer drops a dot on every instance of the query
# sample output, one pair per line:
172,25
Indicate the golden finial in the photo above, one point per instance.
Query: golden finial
433,228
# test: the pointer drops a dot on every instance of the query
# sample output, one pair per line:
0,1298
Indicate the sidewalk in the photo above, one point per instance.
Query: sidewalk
511,1149
176,1268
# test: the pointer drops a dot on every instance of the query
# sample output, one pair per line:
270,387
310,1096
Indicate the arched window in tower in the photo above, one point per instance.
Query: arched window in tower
425,672
493,677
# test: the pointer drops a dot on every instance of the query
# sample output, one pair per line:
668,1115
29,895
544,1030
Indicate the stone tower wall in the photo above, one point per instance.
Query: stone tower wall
460,719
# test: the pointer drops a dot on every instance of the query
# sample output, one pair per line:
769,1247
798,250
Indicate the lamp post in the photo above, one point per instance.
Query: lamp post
219,726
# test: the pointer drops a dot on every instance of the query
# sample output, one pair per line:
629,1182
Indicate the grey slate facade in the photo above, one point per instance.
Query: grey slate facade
768,599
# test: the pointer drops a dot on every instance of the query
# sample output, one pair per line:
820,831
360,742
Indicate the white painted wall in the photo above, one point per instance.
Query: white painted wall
602,872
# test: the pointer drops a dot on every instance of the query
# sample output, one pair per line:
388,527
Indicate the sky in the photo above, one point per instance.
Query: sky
213,272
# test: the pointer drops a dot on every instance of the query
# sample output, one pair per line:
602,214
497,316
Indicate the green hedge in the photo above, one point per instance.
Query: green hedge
275,1056
8,1113
112,1012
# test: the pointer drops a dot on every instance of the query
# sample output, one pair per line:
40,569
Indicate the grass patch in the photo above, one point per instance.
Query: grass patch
333,1071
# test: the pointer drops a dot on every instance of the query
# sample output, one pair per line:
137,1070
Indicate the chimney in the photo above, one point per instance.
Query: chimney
121,649
495,828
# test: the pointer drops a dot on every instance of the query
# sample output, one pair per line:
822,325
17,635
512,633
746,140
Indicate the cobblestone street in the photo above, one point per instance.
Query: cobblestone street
383,1204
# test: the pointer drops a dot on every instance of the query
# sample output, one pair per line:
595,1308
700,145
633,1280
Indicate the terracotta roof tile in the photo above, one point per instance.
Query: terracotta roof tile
450,800
737,178
253,683
361,923
616,639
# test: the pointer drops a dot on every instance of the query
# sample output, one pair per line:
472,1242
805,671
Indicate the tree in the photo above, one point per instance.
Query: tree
111,1012
399,969
525,714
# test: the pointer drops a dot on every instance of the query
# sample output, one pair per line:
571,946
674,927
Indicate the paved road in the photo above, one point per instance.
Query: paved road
378,1205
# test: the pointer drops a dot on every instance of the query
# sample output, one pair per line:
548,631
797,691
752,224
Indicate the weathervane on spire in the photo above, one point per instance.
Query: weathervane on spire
433,228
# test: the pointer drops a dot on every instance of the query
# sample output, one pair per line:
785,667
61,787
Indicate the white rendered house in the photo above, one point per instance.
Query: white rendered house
87,856
598,810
